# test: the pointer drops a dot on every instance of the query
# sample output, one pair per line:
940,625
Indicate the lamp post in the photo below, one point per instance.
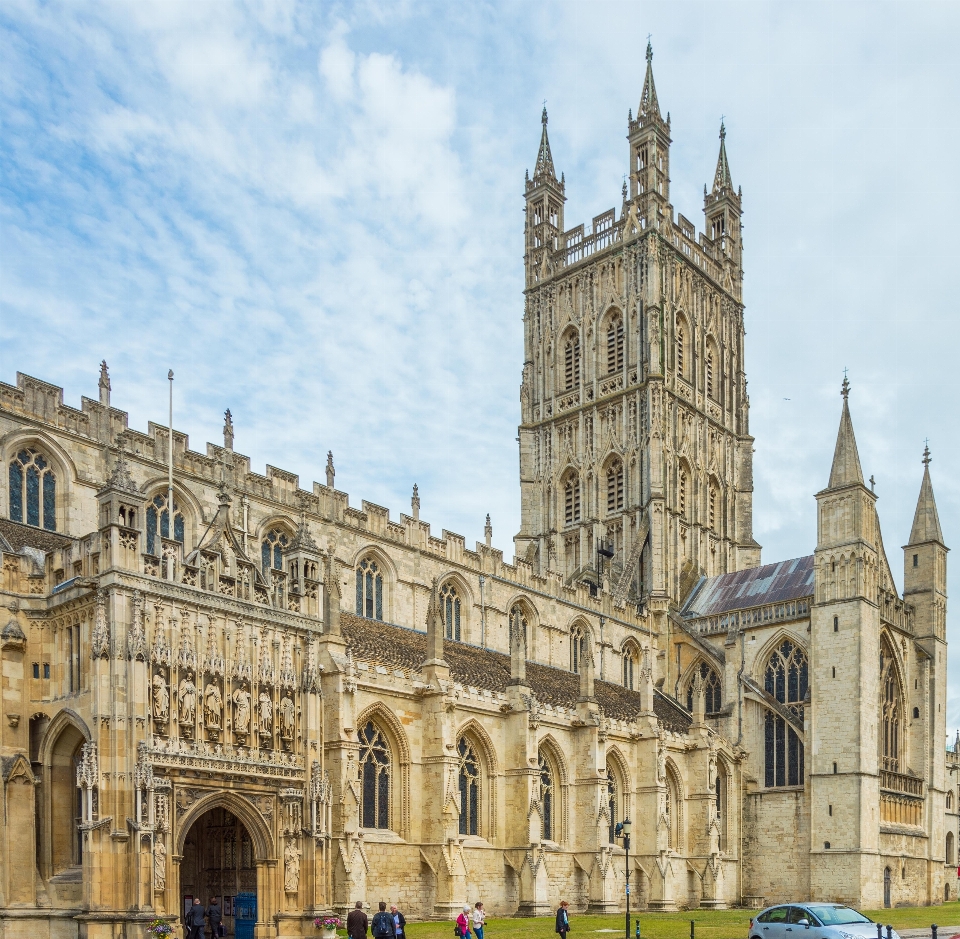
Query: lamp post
623,831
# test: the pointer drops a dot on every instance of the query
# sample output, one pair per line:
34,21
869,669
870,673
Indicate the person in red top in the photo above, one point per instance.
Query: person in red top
463,922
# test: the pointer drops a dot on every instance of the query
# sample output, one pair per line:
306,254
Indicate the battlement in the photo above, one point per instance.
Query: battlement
42,404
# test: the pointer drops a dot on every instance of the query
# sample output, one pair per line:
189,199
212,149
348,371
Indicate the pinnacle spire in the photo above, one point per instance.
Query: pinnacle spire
926,522
846,460
649,106
722,179
544,166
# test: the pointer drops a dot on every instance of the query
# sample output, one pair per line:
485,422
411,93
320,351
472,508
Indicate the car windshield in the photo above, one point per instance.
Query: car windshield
838,915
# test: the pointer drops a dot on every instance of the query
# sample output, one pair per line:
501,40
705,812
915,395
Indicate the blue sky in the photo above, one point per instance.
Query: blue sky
312,213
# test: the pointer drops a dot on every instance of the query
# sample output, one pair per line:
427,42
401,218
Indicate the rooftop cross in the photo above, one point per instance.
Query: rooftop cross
845,387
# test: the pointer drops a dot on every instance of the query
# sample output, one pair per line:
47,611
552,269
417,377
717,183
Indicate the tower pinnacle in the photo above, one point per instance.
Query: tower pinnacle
926,521
846,460
649,106
544,168
722,179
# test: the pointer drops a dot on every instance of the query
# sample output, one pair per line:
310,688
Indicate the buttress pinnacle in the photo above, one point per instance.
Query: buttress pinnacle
544,168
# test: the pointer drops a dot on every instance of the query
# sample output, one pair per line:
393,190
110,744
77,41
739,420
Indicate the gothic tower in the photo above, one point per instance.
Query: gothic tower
635,451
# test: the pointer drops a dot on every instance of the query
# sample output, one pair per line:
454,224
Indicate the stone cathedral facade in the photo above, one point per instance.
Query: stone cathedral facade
231,684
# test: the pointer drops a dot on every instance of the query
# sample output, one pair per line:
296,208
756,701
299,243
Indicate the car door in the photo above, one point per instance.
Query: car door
773,923
794,930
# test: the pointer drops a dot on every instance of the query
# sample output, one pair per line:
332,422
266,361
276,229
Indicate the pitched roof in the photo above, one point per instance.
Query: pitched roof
756,586
19,536
398,647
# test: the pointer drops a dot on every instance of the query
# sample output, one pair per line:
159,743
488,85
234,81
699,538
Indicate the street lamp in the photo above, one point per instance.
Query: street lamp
623,831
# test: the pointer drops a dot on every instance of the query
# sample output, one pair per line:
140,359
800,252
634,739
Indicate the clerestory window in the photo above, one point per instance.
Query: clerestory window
33,490
271,550
158,524
369,590
450,611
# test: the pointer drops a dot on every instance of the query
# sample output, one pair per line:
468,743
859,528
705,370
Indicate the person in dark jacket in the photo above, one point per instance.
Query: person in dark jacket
357,922
563,920
194,920
215,917
382,926
399,922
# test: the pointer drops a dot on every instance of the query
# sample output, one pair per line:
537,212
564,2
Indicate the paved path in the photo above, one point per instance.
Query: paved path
943,932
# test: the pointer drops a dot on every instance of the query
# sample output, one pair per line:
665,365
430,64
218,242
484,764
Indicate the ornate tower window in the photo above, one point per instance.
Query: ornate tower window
469,788
681,348
158,523
271,550
578,648
709,370
571,498
786,680
712,499
630,662
33,490
369,590
682,492
615,343
571,361
547,797
375,777
450,611
711,690
891,710
612,804
615,487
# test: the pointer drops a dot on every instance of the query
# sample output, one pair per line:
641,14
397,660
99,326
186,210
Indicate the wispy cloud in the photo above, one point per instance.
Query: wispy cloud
313,213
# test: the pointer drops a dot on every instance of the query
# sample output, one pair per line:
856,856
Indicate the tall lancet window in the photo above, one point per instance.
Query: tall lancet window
158,523
547,801
469,788
615,343
450,611
369,590
891,710
571,361
33,490
375,762
786,680
615,487
271,550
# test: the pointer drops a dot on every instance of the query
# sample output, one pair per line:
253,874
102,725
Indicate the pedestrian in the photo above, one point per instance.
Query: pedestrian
357,922
563,920
399,922
215,916
463,922
194,920
479,918
382,926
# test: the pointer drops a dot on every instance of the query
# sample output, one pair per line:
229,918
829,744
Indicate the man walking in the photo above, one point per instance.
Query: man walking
194,920
357,922
382,926
399,922
215,917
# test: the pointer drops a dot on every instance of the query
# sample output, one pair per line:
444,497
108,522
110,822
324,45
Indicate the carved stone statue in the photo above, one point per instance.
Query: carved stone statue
161,699
661,763
287,718
241,710
159,866
266,714
291,867
187,700
213,706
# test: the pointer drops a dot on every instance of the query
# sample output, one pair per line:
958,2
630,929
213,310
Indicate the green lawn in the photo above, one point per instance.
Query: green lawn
710,924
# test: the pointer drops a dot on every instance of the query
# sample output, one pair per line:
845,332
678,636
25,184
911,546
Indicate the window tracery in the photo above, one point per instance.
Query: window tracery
578,648
571,498
547,793
271,550
571,361
681,348
369,589
158,523
33,489
711,690
615,344
615,487
375,766
631,659
891,710
450,611
469,781
786,680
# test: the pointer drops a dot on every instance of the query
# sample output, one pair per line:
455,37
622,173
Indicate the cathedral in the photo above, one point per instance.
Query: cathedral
216,682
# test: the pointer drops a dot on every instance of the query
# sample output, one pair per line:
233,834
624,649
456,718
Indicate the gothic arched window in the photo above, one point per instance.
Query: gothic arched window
158,523
469,788
271,550
711,690
571,361
547,793
611,804
615,486
615,343
369,590
450,611
681,348
571,498
630,660
891,710
786,679
682,492
712,500
375,764
518,621
578,648
33,490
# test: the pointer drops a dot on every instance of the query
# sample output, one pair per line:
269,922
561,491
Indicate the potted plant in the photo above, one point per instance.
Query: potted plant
160,929
329,925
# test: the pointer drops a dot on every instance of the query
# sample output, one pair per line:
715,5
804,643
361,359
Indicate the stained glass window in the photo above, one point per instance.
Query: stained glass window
711,690
469,788
546,797
158,523
450,611
786,680
271,550
375,777
891,709
369,590
33,490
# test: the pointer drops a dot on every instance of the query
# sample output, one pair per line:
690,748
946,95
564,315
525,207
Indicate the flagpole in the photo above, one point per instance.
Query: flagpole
170,513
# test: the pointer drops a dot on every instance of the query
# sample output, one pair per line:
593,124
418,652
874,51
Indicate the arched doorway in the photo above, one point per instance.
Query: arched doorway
61,805
219,860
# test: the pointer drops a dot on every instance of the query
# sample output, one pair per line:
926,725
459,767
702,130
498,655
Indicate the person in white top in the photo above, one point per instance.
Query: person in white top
479,918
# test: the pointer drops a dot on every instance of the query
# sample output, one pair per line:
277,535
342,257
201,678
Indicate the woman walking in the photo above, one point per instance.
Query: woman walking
563,920
479,918
463,922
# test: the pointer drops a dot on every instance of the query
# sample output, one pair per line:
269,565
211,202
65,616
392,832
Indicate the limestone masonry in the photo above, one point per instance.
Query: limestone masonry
239,686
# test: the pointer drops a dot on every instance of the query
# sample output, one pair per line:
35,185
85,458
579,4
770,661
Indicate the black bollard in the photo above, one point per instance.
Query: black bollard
693,924
638,930
879,931
889,932
933,931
